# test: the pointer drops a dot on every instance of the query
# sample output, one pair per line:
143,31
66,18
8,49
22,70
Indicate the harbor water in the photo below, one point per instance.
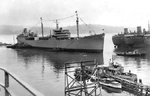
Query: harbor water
44,69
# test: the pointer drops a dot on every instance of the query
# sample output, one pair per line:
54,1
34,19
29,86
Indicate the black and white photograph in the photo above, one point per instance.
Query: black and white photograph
74,47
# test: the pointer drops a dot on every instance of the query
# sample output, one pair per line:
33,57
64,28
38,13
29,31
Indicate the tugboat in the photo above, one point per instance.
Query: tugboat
93,76
108,77
106,82
111,85
116,70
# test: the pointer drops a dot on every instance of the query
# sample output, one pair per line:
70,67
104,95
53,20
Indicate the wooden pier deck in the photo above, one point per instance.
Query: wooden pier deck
131,86
134,87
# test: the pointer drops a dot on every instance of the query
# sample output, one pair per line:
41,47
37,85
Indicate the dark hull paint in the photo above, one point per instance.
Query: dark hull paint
131,54
118,40
133,42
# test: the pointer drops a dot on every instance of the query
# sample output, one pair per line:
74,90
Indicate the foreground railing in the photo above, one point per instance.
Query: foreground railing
6,84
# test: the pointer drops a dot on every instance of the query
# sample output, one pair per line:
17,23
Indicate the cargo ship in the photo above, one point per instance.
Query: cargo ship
135,39
61,40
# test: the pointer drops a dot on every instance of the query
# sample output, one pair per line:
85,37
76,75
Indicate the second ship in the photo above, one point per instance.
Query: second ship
61,40
135,39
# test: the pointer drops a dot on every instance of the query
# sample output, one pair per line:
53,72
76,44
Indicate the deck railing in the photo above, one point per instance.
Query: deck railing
6,84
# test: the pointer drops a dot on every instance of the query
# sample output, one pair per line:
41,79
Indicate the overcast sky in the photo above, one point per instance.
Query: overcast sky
106,12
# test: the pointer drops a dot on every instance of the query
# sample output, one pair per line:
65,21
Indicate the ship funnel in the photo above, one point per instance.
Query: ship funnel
125,30
25,30
139,30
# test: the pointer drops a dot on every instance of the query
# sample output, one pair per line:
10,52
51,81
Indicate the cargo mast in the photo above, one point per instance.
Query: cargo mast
148,27
77,21
41,26
57,27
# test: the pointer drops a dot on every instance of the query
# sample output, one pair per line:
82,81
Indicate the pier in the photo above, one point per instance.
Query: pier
133,87
80,86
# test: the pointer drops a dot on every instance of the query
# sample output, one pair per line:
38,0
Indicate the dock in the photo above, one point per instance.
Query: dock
80,87
133,87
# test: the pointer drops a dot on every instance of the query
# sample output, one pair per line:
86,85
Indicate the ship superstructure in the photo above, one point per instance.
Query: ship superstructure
61,40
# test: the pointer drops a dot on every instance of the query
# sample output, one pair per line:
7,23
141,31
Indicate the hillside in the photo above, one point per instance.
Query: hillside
84,29
95,29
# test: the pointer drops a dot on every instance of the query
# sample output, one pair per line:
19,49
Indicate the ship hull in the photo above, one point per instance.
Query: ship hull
134,41
118,40
92,43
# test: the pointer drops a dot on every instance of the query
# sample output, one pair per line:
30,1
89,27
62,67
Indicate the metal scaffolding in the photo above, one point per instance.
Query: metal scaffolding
80,86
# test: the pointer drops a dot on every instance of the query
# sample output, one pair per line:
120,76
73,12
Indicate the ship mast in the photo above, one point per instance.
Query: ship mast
57,27
148,27
77,22
41,26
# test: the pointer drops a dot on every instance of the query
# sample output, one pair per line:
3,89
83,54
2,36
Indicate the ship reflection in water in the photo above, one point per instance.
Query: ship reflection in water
51,67
56,59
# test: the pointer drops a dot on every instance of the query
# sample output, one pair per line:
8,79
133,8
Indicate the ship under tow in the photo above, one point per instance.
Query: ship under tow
61,40
93,43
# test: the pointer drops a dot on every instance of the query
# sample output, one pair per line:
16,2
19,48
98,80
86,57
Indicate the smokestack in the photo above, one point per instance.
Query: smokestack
125,30
139,30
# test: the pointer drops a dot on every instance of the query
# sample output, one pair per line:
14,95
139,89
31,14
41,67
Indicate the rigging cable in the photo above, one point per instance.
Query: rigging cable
60,18
90,30
83,22
33,27
54,20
